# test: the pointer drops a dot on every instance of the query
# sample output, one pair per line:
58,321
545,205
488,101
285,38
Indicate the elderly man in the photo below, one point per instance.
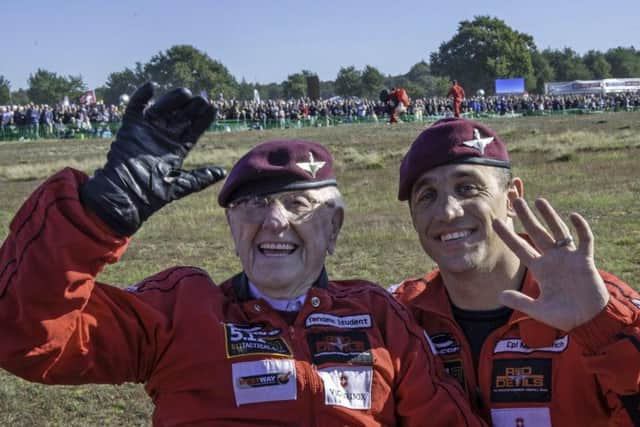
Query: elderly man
278,344
534,333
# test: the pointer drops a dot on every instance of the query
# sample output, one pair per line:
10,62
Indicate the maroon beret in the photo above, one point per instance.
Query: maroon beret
276,166
450,140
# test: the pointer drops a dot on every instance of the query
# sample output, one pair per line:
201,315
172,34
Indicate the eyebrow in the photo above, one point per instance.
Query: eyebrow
459,174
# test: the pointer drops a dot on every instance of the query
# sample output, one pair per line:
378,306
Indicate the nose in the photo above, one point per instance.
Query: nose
275,218
449,208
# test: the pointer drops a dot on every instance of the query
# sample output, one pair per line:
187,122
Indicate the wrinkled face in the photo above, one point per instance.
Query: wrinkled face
282,239
452,207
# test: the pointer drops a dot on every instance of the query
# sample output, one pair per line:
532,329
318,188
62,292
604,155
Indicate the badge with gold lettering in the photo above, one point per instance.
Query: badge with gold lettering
521,380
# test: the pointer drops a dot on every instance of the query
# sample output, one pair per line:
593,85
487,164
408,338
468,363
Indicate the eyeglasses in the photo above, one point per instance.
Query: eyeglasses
298,207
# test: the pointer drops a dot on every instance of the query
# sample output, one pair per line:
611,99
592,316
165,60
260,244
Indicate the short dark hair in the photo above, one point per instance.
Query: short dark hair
504,176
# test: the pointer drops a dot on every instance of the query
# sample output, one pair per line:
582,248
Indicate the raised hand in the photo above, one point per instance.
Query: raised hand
571,290
143,170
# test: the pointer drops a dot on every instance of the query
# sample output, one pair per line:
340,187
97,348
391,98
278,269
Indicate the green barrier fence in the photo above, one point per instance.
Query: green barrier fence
107,131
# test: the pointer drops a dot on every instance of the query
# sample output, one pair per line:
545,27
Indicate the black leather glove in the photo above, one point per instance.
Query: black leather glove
142,173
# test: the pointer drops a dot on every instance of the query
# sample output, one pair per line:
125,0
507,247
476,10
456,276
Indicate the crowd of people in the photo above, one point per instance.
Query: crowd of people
34,121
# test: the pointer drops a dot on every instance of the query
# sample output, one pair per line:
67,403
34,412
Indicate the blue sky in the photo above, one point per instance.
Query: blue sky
264,41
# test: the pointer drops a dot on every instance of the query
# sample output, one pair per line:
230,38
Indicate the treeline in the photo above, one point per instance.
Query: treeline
481,51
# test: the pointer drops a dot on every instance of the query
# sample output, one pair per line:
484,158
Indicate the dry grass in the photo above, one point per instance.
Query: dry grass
583,163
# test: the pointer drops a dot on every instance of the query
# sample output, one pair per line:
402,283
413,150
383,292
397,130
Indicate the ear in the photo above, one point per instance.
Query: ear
515,190
336,224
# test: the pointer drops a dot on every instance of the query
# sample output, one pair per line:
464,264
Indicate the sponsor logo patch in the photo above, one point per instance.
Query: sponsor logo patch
242,340
445,343
516,345
521,380
349,387
340,347
359,321
521,417
266,380
455,369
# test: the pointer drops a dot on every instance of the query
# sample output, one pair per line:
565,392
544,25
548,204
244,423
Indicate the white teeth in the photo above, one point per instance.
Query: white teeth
454,236
277,246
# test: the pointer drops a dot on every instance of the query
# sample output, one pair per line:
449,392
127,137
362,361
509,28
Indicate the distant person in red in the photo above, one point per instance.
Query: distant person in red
397,101
458,94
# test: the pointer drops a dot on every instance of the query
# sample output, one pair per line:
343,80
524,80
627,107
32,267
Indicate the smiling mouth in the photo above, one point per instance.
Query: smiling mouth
277,249
455,236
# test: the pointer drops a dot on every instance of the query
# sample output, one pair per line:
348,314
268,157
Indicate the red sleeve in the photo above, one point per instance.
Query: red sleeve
51,306
612,339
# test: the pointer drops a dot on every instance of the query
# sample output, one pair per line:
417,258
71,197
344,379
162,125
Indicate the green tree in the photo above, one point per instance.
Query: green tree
270,91
596,62
419,82
327,89
372,82
567,65
483,50
120,83
20,97
46,87
624,61
5,91
296,85
245,90
542,70
349,82
186,66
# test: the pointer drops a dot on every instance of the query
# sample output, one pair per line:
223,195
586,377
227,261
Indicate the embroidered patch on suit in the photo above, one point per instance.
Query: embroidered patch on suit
242,340
340,347
267,380
445,343
521,380
521,417
359,321
516,345
347,386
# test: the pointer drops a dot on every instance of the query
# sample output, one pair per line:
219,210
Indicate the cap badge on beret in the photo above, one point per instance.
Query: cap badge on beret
311,166
478,142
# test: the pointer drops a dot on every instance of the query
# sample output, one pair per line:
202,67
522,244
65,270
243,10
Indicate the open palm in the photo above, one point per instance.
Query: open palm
571,289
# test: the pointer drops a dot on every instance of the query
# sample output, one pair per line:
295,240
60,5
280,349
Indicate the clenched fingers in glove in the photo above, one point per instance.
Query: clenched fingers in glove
144,165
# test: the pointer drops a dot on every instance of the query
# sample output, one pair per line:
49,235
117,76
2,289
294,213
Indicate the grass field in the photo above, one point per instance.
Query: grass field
589,164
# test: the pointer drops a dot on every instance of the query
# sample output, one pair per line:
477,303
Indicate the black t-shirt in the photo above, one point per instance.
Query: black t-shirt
477,325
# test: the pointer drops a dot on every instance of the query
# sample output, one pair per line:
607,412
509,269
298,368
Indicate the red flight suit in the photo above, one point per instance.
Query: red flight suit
528,370
208,355
458,95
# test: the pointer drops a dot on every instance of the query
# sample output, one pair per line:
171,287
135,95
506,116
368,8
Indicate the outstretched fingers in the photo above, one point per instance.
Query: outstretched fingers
585,235
559,230
201,114
532,226
173,100
517,244
140,98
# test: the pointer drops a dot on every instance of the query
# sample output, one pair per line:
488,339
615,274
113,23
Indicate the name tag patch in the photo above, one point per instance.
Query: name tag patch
242,340
349,387
521,380
341,347
264,381
359,321
445,343
521,417
516,345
